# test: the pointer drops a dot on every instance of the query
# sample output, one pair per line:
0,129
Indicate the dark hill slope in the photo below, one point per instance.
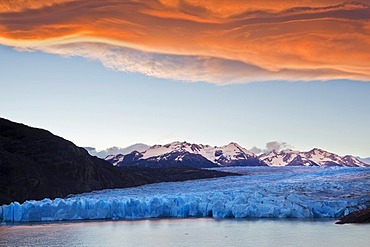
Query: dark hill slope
35,164
360,216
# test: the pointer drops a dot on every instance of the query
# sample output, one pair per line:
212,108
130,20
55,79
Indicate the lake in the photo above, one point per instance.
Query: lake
187,232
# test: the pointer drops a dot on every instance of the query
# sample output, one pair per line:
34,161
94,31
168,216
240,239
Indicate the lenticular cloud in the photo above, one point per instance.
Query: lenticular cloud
220,42
184,68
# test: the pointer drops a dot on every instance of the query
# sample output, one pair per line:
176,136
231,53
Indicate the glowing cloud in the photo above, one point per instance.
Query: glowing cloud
215,41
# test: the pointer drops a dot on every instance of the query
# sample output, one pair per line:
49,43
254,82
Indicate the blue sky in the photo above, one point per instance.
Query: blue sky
83,101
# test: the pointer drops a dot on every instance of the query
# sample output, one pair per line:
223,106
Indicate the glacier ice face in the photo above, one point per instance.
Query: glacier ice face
263,192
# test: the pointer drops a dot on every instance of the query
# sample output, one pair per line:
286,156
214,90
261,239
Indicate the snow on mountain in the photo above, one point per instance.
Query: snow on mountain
354,161
117,150
175,158
115,159
218,155
281,158
232,154
314,157
228,155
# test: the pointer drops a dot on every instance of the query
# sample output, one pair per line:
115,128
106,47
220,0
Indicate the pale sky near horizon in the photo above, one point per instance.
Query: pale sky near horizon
91,105
114,73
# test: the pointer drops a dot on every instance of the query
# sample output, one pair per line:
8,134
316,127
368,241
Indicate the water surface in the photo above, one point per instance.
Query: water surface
187,232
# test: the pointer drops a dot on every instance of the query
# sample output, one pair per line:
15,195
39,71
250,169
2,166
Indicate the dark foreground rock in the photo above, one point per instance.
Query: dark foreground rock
35,164
361,216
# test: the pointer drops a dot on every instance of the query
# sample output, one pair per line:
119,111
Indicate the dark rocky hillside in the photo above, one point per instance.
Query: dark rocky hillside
361,216
35,164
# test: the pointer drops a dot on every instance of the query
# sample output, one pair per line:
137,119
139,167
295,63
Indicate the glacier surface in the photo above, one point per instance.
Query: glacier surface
263,192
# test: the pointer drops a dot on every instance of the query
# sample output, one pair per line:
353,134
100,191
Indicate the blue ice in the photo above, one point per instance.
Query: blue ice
285,192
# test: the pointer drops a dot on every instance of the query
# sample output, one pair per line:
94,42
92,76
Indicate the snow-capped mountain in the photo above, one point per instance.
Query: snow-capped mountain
116,150
195,155
206,156
314,157
173,158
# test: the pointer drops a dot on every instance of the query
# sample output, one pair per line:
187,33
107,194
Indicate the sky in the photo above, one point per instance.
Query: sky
115,73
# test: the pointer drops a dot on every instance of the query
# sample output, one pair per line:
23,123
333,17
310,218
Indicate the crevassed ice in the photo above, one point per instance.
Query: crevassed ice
262,193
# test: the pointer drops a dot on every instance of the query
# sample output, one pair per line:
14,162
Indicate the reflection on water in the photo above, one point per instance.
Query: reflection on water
187,232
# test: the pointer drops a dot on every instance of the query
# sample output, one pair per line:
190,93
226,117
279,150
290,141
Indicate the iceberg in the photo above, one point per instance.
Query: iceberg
263,192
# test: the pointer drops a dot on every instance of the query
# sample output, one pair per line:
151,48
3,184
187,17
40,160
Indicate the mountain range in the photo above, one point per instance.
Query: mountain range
206,156
314,157
117,150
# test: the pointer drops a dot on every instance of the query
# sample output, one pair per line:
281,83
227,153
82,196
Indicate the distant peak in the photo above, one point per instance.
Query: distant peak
176,143
318,150
155,146
233,144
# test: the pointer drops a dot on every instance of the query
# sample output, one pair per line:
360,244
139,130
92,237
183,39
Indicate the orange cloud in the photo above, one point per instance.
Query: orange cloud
20,5
230,41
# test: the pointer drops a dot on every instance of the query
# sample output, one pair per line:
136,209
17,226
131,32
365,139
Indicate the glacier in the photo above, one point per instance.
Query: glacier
262,192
